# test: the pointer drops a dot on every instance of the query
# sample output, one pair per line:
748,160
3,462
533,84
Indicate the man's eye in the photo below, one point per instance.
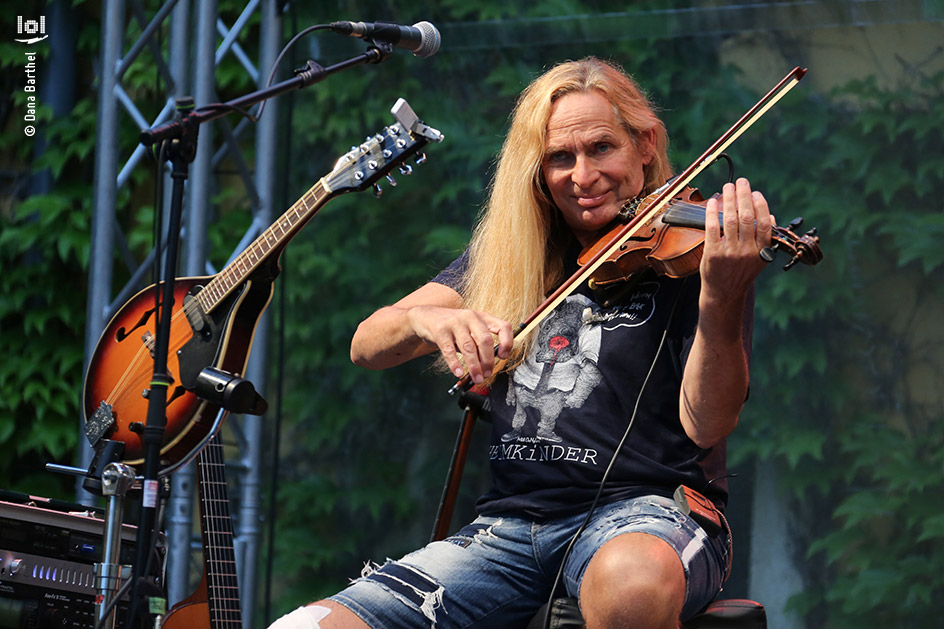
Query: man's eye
557,157
604,147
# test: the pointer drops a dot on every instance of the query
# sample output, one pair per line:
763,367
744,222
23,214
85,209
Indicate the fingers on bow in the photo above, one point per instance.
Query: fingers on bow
470,344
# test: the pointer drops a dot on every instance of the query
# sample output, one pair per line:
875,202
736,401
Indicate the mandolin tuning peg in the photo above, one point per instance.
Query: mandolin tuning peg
377,190
420,158
406,169
393,182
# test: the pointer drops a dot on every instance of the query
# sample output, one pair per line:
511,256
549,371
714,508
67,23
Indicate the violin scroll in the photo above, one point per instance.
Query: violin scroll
803,248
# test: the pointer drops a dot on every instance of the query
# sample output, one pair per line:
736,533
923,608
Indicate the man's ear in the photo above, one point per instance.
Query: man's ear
647,145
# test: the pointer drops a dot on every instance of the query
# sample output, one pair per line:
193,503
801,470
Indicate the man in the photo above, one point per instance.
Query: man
649,387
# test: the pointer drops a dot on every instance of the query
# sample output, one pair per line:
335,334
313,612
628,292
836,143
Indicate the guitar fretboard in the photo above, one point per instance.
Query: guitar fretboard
218,554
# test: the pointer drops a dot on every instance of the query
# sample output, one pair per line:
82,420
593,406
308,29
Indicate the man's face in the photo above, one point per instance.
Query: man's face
591,164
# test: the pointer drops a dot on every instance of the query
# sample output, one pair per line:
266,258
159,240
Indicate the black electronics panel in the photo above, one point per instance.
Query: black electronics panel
48,552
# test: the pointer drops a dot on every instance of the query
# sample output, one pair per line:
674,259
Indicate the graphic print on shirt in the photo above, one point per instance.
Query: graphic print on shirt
634,312
561,369
559,372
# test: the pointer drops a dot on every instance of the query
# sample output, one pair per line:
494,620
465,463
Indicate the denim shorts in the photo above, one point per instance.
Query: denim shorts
498,570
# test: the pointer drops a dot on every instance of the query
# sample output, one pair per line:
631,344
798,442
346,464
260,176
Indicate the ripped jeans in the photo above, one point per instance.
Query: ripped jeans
498,570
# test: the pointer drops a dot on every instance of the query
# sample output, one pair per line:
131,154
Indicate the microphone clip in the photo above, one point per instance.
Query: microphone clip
310,73
377,49
229,391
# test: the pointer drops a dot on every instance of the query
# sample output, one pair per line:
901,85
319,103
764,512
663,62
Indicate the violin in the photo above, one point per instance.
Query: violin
671,241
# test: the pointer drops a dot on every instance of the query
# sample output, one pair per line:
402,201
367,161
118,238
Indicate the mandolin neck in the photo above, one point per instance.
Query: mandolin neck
272,239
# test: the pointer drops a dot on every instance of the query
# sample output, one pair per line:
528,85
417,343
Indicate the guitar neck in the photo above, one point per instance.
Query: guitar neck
272,239
217,528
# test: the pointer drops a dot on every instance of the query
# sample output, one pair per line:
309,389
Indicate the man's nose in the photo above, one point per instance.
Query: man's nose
585,172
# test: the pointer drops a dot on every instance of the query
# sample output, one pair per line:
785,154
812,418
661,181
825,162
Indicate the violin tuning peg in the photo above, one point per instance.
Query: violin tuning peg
377,190
406,169
812,232
393,182
767,254
792,225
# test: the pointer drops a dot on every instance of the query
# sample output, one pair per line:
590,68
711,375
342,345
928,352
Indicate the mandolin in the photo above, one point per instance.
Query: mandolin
213,318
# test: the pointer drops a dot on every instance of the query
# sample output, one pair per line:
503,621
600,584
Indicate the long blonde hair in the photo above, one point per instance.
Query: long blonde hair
517,247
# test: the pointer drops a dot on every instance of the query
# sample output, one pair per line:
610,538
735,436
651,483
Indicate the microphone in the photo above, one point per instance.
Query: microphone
422,39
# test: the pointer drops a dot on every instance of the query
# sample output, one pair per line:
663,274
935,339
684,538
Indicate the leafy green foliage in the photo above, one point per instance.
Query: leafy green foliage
44,250
858,423
43,245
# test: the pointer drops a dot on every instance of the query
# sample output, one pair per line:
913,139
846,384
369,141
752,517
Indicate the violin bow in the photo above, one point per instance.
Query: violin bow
707,158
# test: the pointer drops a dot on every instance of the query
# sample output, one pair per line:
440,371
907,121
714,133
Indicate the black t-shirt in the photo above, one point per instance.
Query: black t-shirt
558,417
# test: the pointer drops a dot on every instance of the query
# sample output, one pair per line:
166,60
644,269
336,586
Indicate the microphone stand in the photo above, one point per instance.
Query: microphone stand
311,74
181,137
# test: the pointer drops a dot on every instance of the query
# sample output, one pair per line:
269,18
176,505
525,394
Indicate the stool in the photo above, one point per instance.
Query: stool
735,613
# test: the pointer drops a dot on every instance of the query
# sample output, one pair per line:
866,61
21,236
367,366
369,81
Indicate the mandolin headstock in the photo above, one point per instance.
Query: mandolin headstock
365,164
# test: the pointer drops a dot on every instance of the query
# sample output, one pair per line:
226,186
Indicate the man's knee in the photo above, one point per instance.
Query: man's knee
634,578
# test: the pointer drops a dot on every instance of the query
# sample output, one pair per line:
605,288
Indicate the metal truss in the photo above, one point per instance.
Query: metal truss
194,28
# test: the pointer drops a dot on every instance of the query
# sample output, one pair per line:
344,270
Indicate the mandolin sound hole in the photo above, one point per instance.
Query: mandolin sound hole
121,334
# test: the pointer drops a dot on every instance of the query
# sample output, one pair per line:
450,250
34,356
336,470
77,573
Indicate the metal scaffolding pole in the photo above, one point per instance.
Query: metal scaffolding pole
250,535
106,192
201,52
